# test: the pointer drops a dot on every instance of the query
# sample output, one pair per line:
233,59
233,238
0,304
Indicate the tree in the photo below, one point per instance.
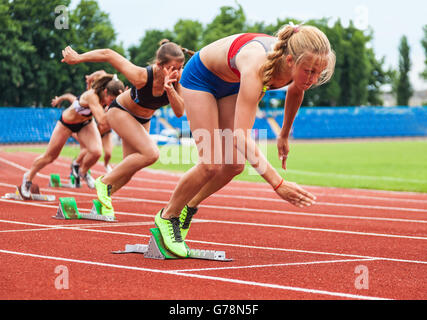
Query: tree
424,44
12,55
377,78
37,40
91,29
145,52
30,55
403,88
229,21
188,34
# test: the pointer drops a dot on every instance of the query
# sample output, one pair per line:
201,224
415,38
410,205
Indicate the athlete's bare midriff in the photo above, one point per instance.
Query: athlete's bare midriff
126,101
214,57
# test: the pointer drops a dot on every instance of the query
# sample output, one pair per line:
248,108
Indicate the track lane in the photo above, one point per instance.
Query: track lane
312,239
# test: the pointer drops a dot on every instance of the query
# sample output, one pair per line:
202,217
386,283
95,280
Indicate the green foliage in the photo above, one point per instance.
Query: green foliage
188,34
403,88
32,72
229,21
30,55
145,53
13,52
37,42
424,44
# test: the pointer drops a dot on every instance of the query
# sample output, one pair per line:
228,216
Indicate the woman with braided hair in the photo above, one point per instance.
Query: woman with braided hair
129,115
221,87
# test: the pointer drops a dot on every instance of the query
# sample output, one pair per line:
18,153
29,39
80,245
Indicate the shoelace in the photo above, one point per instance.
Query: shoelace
174,225
190,213
75,169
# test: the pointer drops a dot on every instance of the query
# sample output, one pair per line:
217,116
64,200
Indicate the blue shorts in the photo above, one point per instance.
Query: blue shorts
196,76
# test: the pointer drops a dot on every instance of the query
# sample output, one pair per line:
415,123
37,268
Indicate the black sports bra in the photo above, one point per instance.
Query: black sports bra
144,96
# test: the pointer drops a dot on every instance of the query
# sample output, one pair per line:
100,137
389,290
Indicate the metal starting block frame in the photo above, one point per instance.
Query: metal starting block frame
68,210
35,195
156,250
55,182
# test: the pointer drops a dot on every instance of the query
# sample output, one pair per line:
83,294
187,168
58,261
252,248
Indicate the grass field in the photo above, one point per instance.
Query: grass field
386,165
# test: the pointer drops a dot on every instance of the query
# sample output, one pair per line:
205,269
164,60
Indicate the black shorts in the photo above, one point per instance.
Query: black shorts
75,127
141,120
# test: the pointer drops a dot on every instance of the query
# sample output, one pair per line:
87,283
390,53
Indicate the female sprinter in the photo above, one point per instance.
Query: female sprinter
129,115
106,137
78,119
221,87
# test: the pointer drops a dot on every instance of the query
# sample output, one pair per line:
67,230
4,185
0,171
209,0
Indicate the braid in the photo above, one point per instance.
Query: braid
280,49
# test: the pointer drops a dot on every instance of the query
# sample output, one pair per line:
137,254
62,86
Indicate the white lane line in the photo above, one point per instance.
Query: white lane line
276,265
80,226
269,199
240,246
261,224
220,279
252,210
228,187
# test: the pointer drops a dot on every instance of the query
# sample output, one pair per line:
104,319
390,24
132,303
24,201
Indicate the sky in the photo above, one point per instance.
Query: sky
389,19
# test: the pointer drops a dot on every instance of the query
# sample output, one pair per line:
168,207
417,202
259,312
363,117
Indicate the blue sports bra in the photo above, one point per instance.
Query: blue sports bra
144,96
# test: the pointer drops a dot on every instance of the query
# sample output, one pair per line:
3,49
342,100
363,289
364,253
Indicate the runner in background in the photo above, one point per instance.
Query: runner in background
77,118
129,115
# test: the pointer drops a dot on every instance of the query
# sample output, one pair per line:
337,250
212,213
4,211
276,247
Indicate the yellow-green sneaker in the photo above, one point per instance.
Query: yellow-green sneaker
108,213
185,220
171,234
104,196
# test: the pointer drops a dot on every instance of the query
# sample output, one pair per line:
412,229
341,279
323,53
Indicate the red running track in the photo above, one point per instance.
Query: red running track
353,244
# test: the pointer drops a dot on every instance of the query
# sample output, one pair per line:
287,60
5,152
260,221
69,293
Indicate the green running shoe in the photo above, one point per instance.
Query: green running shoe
104,196
169,229
185,218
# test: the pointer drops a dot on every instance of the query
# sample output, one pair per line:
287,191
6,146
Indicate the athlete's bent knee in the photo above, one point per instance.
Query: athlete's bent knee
49,158
96,153
152,157
233,169
210,170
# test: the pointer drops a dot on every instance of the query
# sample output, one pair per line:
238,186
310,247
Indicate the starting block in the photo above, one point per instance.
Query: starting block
68,210
55,182
156,250
35,195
